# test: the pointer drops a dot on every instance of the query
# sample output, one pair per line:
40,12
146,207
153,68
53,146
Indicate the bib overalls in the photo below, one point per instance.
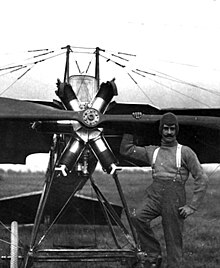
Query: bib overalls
163,198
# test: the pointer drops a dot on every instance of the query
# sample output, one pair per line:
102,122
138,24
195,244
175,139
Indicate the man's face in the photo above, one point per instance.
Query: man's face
169,133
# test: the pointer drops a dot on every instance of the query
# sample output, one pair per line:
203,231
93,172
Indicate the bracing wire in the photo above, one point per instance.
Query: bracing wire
177,80
15,65
141,89
119,53
86,48
113,55
123,66
122,57
9,230
15,70
169,78
10,66
9,243
161,84
213,171
21,67
115,62
2,92
77,64
187,64
185,95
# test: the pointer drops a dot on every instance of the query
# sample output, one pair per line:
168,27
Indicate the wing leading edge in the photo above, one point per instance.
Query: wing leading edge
199,128
81,210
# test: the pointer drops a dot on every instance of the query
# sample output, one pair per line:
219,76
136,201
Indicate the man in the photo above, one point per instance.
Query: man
171,165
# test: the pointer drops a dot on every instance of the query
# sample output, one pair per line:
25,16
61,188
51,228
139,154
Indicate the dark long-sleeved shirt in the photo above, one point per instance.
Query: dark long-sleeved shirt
165,165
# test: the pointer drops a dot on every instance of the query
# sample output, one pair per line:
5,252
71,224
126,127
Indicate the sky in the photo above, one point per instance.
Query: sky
178,38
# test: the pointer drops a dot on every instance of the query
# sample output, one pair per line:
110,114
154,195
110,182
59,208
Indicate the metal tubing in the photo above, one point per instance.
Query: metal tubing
103,204
124,203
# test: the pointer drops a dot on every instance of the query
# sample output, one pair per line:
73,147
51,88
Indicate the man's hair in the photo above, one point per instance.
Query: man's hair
168,119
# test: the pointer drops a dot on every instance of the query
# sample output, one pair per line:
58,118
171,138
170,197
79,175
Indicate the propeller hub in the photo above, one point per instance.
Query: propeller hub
91,117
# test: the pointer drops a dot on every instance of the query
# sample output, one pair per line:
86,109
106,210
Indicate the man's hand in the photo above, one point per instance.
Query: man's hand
60,88
137,115
186,211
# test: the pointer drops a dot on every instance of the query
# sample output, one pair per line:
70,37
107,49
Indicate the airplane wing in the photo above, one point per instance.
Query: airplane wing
199,128
81,210
18,139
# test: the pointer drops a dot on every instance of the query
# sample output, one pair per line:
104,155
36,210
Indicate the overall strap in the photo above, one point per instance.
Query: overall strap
178,156
155,153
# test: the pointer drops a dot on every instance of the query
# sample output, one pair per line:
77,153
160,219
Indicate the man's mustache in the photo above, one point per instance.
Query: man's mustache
169,135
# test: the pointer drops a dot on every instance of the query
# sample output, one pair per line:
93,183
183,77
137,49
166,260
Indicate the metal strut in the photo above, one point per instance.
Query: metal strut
106,214
125,206
109,211
41,206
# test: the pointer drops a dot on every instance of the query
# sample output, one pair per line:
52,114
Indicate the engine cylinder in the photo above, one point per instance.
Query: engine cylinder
71,154
106,92
103,152
68,97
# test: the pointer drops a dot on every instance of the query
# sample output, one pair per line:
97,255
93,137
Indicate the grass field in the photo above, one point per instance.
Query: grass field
202,230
